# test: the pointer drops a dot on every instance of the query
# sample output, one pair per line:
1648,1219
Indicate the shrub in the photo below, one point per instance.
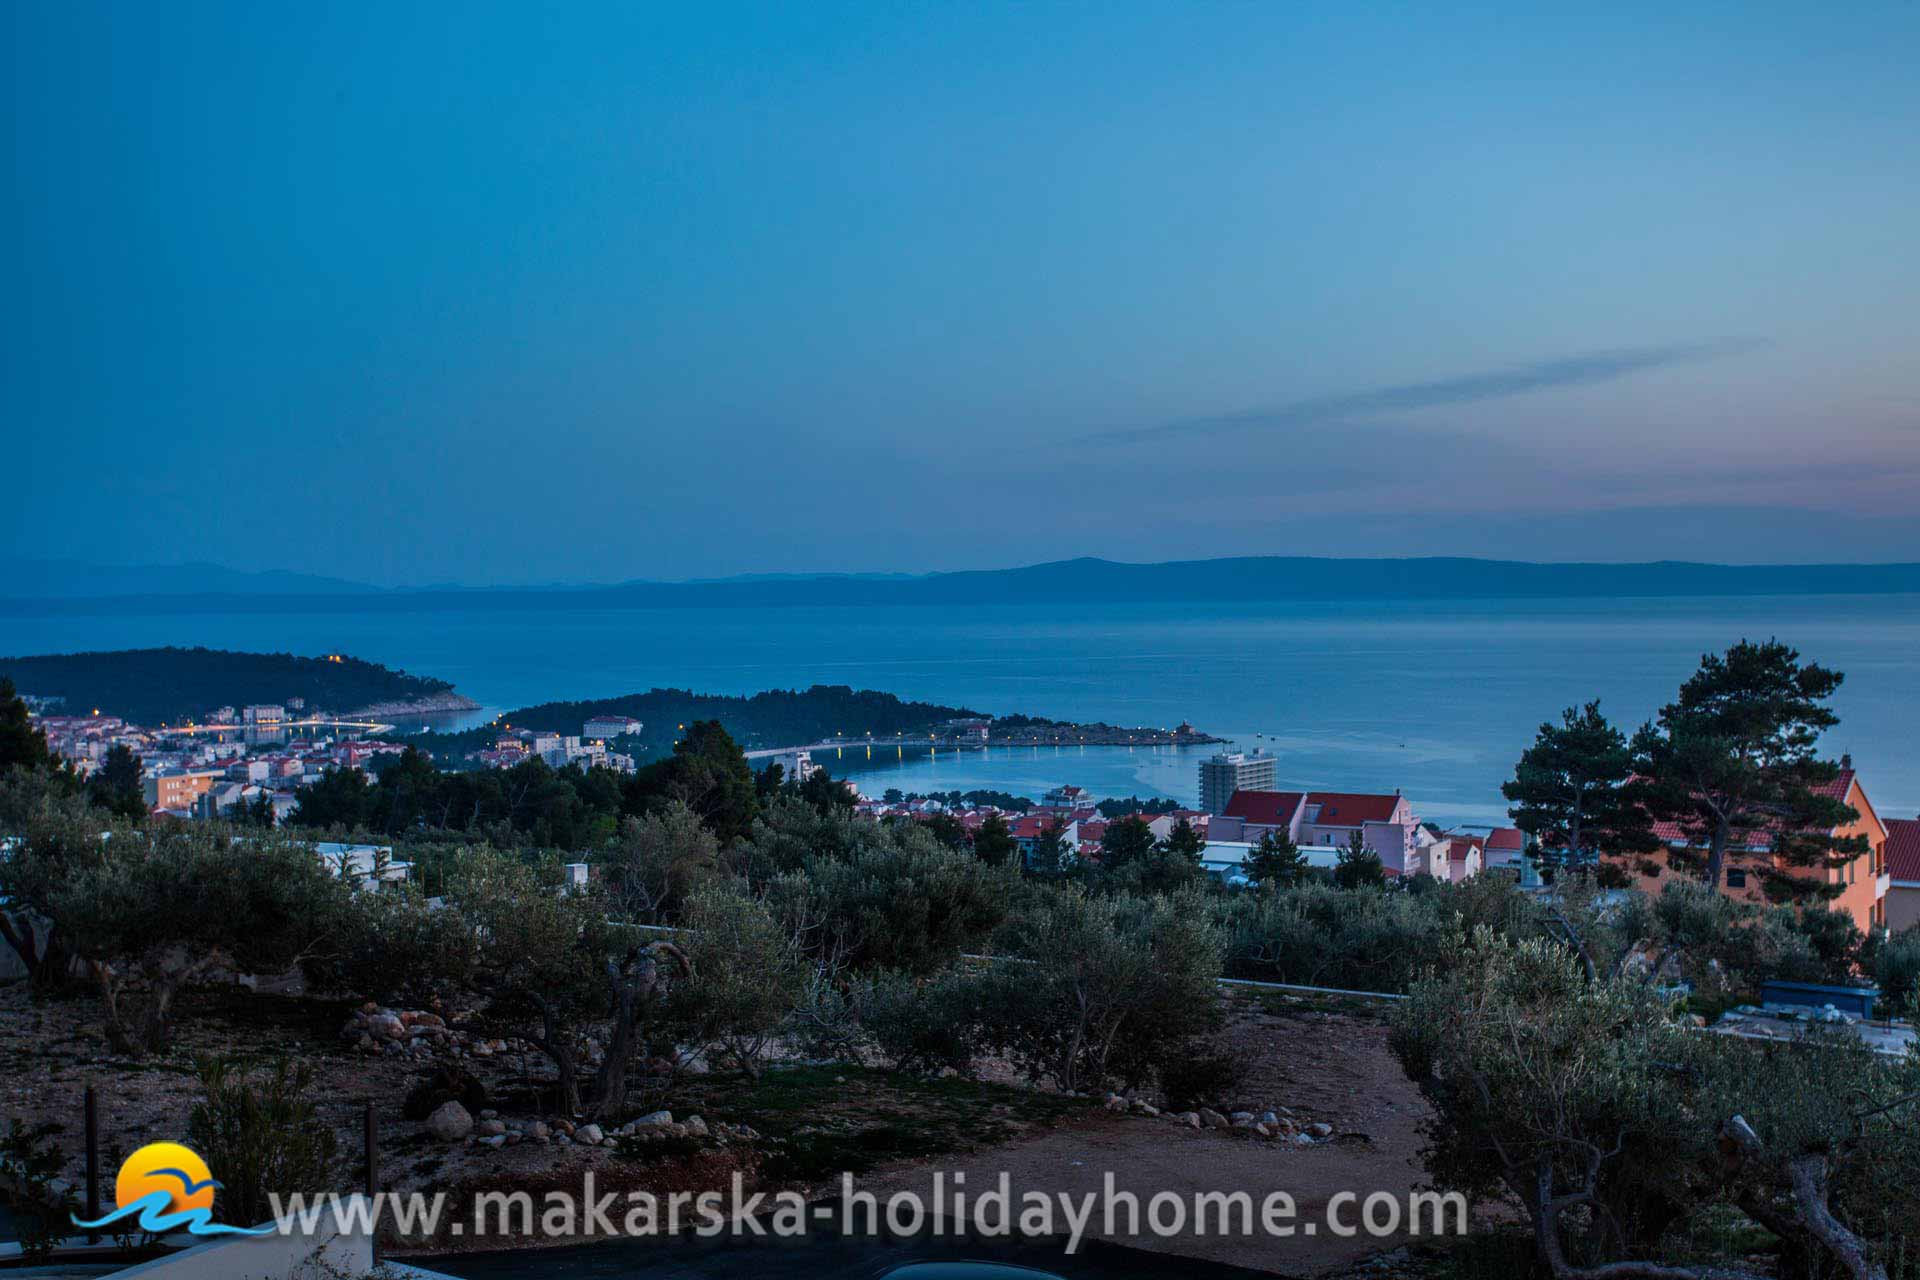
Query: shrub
260,1137
922,1025
1099,990
1318,935
1621,1131
659,861
904,903
748,976
157,909
1896,967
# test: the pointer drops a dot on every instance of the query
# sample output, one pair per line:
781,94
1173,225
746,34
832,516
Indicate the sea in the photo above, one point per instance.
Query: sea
1435,699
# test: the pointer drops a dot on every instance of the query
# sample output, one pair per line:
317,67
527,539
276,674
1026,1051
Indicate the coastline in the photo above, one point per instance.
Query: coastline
436,704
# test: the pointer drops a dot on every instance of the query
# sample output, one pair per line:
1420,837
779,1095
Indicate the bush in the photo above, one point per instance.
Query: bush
1103,990
923,1025
1318,935
1622,1132
748,977
1896,967
904,903
260,1137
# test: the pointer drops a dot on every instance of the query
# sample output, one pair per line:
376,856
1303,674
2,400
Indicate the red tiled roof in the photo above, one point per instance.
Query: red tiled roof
1265,808
1679,833
1903,848
1506,839
1349,809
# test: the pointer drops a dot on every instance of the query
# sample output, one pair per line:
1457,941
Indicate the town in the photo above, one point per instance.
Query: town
250,763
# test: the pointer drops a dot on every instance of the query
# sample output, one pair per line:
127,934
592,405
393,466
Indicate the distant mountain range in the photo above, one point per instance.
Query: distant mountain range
71,579
1248,579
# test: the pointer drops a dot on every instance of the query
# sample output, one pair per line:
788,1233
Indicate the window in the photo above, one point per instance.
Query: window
1736,878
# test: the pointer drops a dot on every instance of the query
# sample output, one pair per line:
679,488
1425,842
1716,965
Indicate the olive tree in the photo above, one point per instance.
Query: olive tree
1102,989
1613,1123
151,911
555,969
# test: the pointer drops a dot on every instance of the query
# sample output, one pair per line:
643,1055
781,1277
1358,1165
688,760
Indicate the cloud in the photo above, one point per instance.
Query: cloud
1544,375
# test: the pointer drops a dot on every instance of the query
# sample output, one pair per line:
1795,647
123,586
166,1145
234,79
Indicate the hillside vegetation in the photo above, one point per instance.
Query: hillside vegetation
152,686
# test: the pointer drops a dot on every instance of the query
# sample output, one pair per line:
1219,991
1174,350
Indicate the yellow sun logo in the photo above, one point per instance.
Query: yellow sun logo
168,1167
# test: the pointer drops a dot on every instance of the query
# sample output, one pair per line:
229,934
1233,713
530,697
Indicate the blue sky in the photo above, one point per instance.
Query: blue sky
492,293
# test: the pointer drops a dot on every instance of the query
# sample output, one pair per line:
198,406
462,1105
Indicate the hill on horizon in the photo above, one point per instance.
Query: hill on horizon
1240,579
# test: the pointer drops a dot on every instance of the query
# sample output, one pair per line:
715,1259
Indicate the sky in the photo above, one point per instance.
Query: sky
419,293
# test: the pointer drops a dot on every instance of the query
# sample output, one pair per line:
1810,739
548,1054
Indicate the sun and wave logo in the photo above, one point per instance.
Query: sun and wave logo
163,1187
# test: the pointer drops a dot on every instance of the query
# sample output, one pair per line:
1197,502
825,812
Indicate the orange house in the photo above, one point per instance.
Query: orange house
1863,882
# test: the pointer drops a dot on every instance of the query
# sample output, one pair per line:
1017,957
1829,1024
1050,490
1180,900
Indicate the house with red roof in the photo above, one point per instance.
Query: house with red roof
1504,847
1860,887
1384,823
1028,830
1901,908
1252,815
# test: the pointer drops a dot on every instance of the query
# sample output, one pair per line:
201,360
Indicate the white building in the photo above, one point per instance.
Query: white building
1223,774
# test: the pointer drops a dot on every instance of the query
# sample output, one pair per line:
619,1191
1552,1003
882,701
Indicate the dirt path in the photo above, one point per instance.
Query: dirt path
1330,1068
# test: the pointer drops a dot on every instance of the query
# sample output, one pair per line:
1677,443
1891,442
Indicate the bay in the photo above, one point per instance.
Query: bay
1436,698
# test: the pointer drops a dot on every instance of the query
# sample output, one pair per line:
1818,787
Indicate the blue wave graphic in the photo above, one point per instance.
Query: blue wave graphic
150,1215
187,1183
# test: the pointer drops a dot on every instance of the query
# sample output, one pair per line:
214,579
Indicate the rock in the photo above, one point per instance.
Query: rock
1267,1117
1146,1108
447,1083
1115,1102
1320,1130
1240,1117
538,1130
660,1119
1262,1130
1212,1119
563,1126
591,1134
1191,1119
489,1114
497,1141
491,1128
365,1043
562,1140
450,1122
1302,1140
385,1026
696,1127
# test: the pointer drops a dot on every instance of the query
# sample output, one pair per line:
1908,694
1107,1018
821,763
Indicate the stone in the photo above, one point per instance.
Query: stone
1212,1119
591,1134
491,1128
450,1122
1115,1102
538,1130
1267,1117
1191,1119
660,1119
696,1127
562,1140
1240,1117
1262,1130
1146,1108
489,1113
1320,1130
1302,1140
497,1141
385,1026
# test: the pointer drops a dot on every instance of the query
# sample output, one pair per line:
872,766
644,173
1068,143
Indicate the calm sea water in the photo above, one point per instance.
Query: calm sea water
1435,699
